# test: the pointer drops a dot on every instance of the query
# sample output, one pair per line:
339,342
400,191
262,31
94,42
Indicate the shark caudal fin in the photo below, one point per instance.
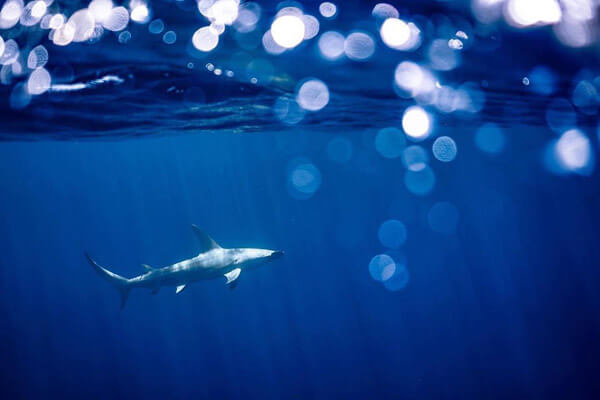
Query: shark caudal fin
117,281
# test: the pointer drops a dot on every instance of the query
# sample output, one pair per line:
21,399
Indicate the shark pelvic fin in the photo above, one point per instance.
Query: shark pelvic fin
206,242
180,288
147,267
232,275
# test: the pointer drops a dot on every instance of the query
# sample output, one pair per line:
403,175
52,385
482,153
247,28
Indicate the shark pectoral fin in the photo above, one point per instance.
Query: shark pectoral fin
232,275
147,267
180,288
206,242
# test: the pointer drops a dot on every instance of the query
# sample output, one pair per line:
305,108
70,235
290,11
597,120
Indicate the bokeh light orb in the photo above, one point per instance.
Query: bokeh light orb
395,33
304,179
416,123
415,158
560,115
382,267
574,151
384,11
39,81
490,139
205,39
392,234
444,149
420,182
312,95
399,280
331,45
328,10
390,142
359,46
443,218
288,31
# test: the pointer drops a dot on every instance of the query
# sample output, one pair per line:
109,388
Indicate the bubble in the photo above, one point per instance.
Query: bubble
124,37
170,37
420,182
384,11
442,57
288,31
140,13
416,123
339,150
205,39
394,32
382,267
390,142
359,46
313,95
39,81
288,111
489,138
311,25
574,152
392,234
83,23
443,218
399,280
117,20
304,179
331,45
444,149
38,57
560,115
415,158
156,26
11,52
328,10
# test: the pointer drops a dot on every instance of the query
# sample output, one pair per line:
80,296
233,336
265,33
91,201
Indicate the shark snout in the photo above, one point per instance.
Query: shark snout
277,254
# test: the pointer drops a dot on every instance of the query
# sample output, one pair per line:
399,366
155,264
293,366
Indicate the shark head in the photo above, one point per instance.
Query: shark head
254,257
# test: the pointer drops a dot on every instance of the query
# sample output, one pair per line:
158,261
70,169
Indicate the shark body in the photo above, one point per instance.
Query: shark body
213,261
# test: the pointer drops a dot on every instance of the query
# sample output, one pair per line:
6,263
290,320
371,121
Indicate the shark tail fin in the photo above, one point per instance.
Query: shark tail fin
117,281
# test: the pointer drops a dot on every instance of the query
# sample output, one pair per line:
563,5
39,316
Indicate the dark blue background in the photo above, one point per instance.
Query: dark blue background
506,306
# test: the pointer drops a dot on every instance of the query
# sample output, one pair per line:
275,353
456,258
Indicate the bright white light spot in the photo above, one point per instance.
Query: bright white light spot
573,150
462,35
288,31
1,46
224,12
382,267
205,39
313,95
392,234
331,45
100,9
394,32
327,9
33,12
390,142
444,149
38,57
415,158
524,13
359,46
490,138
38,9
455,44
117,20
10,13
413,79
39,81
384,11
443,218
140,13
416,123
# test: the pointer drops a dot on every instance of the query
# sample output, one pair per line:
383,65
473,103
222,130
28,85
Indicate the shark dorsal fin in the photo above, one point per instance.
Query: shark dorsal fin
206,242
147,267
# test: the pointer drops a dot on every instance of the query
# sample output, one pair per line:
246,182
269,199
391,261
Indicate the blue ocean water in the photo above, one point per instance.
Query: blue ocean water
447,254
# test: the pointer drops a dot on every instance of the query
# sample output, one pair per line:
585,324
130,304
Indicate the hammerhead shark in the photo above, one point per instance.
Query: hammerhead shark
213,261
